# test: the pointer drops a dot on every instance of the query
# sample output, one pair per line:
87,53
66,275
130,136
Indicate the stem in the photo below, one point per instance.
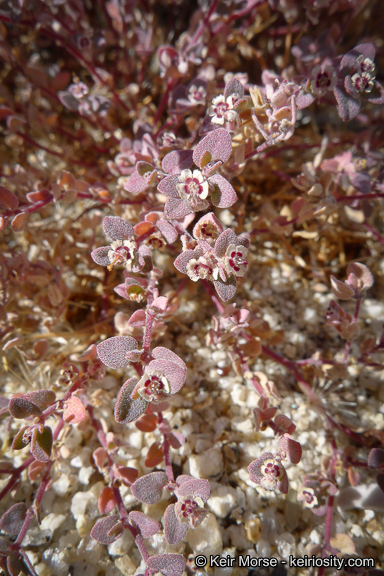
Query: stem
354,321
149,319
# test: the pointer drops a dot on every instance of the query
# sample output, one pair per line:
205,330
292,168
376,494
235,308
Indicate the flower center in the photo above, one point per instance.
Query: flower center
323,80
193,187
272,470
187,508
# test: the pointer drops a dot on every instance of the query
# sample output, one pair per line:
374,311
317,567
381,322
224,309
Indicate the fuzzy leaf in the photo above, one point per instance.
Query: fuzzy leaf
41,444
102,529
100,255
41,398
113,352
13,519
19,442
74,411
183,259
291,448
224,240
117,228
167,230
149,488
226,290
284,424
348,107
174,530
126,409
234,86
223,195
107,500
376,458
341,290
178,208
35,469
137,319
176,161
189,486
167,564
23,408
148,526
175,373
168,187
218,143
155,455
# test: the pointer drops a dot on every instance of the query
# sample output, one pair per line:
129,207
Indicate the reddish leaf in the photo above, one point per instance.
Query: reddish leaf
147,423
219,145
117,228
223,195
107,500
149,488
8,199
74,411
41,398
41,444
137,319
23,408
174,530
100,457
291,448
107,530
13,519
167,564
126,474
155,455
35,469
40,196
147,526
116,352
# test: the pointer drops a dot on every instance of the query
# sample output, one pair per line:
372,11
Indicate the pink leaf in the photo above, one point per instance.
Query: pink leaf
100,255
226,290
284,424
234,86
100,457
74,411
13,519
137,319
149,488
147,526
176,161
107,500
168,187
223,195
291,448
376,458
167,230
117,228
224,240
161,353
127,409
155,455
189,486
114,351
217,143
174,530
167,564
106,530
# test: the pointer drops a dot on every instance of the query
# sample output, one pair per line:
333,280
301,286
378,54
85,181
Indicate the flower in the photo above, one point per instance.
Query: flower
193,188
235,261
153,386
324,80
307,495
222,109
269,472
123,249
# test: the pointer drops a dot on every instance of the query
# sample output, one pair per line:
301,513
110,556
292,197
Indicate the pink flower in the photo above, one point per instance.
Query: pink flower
324,80
269,472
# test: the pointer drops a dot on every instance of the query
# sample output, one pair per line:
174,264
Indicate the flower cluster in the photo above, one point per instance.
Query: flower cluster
219,256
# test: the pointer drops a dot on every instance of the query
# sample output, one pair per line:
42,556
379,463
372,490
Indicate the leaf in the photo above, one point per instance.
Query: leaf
104,531
155,455
41,444
116,228
12,520
107,500
100,255
74,411
126,474
35,469
167,564
226,290
147,423
148,526
126,408
291,448
137,319
19,442
41,398
113,352
174,530
23,408
149,488
223,195
218,143
376,458
7,199
100,457
195,487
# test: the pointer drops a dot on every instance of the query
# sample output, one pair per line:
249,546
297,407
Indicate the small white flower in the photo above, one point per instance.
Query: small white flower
324,80
121,252
222,110
235,260
153,386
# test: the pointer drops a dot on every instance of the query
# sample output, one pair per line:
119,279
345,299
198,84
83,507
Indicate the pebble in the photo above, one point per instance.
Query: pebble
208,464
206,539
125,565
222,501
